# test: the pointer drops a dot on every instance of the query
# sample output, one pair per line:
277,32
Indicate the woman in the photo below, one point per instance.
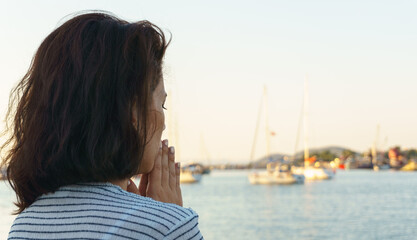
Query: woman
89,115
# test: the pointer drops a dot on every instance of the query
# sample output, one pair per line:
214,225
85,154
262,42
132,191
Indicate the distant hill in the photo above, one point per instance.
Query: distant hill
333,149
278,157
261,163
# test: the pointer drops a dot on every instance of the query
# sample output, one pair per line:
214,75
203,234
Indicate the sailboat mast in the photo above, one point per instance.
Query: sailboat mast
204,152
374,150
255,137
305,107
267,131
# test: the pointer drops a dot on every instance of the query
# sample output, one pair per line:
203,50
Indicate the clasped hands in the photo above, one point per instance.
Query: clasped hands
163,182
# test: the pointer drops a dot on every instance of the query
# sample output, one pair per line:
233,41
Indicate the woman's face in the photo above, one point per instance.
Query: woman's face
157,125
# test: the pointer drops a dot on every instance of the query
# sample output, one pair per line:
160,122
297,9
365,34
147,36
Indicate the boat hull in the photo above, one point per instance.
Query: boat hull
189,177
275,179
314,173
411,166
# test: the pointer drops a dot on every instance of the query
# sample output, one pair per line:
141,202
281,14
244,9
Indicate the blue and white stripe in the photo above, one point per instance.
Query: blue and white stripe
103,211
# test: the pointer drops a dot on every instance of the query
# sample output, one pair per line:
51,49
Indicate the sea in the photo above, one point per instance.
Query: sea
355,204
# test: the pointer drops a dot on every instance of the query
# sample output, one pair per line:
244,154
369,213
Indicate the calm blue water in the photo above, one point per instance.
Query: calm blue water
354,205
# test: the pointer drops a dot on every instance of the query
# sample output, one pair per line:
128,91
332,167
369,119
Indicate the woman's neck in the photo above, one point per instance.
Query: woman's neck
121,183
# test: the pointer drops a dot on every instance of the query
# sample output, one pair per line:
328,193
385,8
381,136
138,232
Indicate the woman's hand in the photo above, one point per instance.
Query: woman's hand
163,182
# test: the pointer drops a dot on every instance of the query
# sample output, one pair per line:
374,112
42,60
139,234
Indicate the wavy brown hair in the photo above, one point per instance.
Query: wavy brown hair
70,117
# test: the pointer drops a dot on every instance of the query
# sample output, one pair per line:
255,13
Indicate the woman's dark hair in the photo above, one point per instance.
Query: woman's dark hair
70,117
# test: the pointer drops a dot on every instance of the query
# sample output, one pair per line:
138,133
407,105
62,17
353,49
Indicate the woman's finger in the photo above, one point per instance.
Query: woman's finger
178,187
178,174
171,164
155,175
143,185
164,164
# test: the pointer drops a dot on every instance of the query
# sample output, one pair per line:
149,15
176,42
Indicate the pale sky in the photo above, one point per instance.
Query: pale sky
360,58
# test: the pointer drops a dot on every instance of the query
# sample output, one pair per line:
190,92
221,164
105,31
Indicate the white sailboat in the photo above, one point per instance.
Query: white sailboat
309,171
377,165
276,173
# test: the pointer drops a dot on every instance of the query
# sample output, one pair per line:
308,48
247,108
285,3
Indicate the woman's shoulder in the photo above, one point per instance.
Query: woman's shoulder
104,208
169,220
110,195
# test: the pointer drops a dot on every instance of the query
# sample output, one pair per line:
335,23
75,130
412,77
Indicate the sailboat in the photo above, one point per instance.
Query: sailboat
276,173
376,164
310,171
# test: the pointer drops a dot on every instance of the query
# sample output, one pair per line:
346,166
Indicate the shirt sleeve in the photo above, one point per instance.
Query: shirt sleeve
186,229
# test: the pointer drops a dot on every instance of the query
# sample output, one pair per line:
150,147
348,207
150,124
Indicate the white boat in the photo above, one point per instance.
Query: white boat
191,173
276,173
314,173
280,174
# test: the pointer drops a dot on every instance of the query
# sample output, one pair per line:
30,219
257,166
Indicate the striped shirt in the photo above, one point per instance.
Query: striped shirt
103,211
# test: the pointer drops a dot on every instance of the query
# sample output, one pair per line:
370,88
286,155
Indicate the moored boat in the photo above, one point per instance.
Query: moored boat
410,166
191,173
314,173
276,174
